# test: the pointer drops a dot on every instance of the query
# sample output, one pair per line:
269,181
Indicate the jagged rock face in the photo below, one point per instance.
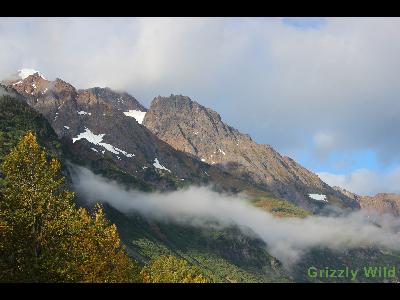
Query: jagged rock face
87,117
96,118
382,202
92,124
198,130
120,100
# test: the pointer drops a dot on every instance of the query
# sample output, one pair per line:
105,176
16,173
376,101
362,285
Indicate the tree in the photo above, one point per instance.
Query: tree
170,269
100,256
44,236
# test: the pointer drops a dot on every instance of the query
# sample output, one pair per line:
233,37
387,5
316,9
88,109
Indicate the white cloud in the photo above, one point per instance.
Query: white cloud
291,84
324,143
286,238
364,181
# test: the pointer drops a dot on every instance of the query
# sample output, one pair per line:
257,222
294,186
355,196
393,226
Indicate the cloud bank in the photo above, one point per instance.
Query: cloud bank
287,238
364,181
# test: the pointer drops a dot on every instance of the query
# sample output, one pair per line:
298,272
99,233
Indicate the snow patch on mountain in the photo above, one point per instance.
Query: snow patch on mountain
84,113
97,139
318,197
137,114
17,82
159,166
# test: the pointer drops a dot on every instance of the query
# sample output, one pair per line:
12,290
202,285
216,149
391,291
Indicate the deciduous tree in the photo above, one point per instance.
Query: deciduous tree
44,236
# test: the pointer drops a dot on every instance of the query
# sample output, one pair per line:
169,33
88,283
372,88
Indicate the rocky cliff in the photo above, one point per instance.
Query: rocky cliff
199,131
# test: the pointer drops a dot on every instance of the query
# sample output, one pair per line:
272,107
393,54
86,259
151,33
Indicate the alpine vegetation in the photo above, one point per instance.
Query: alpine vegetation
286,238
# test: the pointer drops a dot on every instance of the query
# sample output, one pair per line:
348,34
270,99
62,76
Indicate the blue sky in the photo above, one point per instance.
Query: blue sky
305,22
321,90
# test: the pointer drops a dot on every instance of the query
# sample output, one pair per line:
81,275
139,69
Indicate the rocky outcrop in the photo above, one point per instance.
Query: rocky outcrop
120,100
94,128
382,202
199,131
179,139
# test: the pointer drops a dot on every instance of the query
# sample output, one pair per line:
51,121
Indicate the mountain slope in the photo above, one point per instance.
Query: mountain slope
199,131
224,255
90,123
382,202
16,118
94,123
97,132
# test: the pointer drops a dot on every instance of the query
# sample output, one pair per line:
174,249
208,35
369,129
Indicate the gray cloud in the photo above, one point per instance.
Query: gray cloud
332,88
287,238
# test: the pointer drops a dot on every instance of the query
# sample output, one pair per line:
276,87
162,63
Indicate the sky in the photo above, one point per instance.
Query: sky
323,91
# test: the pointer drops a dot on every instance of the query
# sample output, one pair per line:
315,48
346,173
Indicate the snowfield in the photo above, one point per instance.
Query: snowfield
137,114
97,139
159,166
318,197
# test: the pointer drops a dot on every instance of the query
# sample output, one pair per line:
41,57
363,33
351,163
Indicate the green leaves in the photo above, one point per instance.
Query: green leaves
170,269
44,237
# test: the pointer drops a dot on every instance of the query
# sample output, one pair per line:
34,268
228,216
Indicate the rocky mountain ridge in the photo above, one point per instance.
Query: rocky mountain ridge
200,131
175,138
94,124
384,203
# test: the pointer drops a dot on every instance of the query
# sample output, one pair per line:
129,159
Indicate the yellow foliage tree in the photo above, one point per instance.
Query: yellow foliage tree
170,269
44,237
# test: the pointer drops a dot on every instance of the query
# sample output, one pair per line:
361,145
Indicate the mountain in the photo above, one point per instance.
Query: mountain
176,142
120,100
382,202
224,255
100,129
97,123
200,132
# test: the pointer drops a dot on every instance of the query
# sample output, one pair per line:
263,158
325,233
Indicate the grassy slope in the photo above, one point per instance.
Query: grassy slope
224,255
354,258
16,118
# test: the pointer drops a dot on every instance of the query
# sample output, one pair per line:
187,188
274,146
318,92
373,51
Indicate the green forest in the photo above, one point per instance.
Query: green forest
45,237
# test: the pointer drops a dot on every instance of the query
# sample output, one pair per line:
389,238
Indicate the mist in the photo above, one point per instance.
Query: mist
287,238
3,92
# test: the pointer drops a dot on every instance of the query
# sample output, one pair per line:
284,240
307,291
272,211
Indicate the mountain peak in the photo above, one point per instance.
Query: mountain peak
119,99
199,131
174,101
181,104
26,72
